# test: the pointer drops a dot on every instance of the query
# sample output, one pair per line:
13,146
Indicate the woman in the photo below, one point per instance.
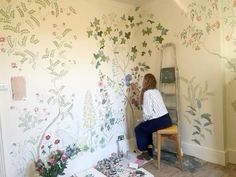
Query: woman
155,116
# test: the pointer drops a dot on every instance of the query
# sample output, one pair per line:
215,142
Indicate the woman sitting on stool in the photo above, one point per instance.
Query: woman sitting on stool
155,116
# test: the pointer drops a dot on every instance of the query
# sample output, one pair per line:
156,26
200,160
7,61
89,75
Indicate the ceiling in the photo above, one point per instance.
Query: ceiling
134,2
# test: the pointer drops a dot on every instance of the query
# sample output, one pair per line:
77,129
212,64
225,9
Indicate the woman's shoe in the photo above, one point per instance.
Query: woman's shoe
150,152
144,156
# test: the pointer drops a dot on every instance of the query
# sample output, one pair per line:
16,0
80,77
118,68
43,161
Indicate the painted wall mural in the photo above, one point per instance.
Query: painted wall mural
37,39
206,19
196,116
21,22
123,43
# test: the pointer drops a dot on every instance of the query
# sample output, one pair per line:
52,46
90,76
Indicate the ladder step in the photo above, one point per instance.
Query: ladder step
168,94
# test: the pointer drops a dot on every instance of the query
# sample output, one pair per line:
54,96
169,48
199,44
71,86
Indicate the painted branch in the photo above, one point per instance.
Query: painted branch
44,132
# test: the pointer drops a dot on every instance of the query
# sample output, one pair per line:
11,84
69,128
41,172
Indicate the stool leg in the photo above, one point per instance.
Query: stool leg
158,150
179,156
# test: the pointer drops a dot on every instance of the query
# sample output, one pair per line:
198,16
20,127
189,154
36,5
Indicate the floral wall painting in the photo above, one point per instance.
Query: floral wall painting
201,121
117,46
49,112
21,22
207,18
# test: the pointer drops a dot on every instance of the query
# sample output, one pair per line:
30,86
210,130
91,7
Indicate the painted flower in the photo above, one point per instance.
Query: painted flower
128,78
3,50
36,109
100,83
136,68
13,65
51,160
64,158
57,141
48,137
199,18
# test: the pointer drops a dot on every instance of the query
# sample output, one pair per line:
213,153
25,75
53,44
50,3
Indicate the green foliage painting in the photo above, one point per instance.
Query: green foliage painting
116,37
200,120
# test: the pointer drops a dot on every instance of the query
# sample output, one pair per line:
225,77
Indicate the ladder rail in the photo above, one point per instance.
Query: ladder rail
163,85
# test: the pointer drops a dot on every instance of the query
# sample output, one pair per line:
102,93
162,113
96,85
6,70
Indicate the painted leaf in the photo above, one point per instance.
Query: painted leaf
208,123
131,18
10,28
198,128
208,130
164,31
66,31
40,2
35,20
47,2
206,116
191,112
202,135
3,13
158,39
195,133
197,121
56,9
199,104
50,99
196,141
72,10
137,8
20,11
127,35
192,108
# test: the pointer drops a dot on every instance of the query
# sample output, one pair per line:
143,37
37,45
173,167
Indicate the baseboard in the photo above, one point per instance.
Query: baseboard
205,153
231,156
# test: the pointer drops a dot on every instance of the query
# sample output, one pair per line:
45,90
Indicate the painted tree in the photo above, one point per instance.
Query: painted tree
123,42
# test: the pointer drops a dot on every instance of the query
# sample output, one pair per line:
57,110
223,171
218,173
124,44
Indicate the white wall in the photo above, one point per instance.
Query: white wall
197,67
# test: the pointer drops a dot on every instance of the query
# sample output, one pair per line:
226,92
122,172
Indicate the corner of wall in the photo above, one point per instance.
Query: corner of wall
231,156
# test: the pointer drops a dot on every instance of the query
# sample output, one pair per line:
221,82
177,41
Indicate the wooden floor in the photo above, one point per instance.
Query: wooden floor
208,170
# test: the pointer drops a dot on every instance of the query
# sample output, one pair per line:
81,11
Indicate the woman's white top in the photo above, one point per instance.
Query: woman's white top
153,105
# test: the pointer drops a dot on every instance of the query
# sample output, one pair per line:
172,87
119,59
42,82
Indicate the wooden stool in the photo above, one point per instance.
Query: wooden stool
171,133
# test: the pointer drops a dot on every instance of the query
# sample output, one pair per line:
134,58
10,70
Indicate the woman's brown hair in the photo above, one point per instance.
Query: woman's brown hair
149,82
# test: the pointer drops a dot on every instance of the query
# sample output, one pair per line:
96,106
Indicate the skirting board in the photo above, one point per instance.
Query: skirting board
205,153
231,156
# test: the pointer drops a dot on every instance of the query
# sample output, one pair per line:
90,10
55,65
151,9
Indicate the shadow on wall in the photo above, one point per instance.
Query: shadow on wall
133,112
